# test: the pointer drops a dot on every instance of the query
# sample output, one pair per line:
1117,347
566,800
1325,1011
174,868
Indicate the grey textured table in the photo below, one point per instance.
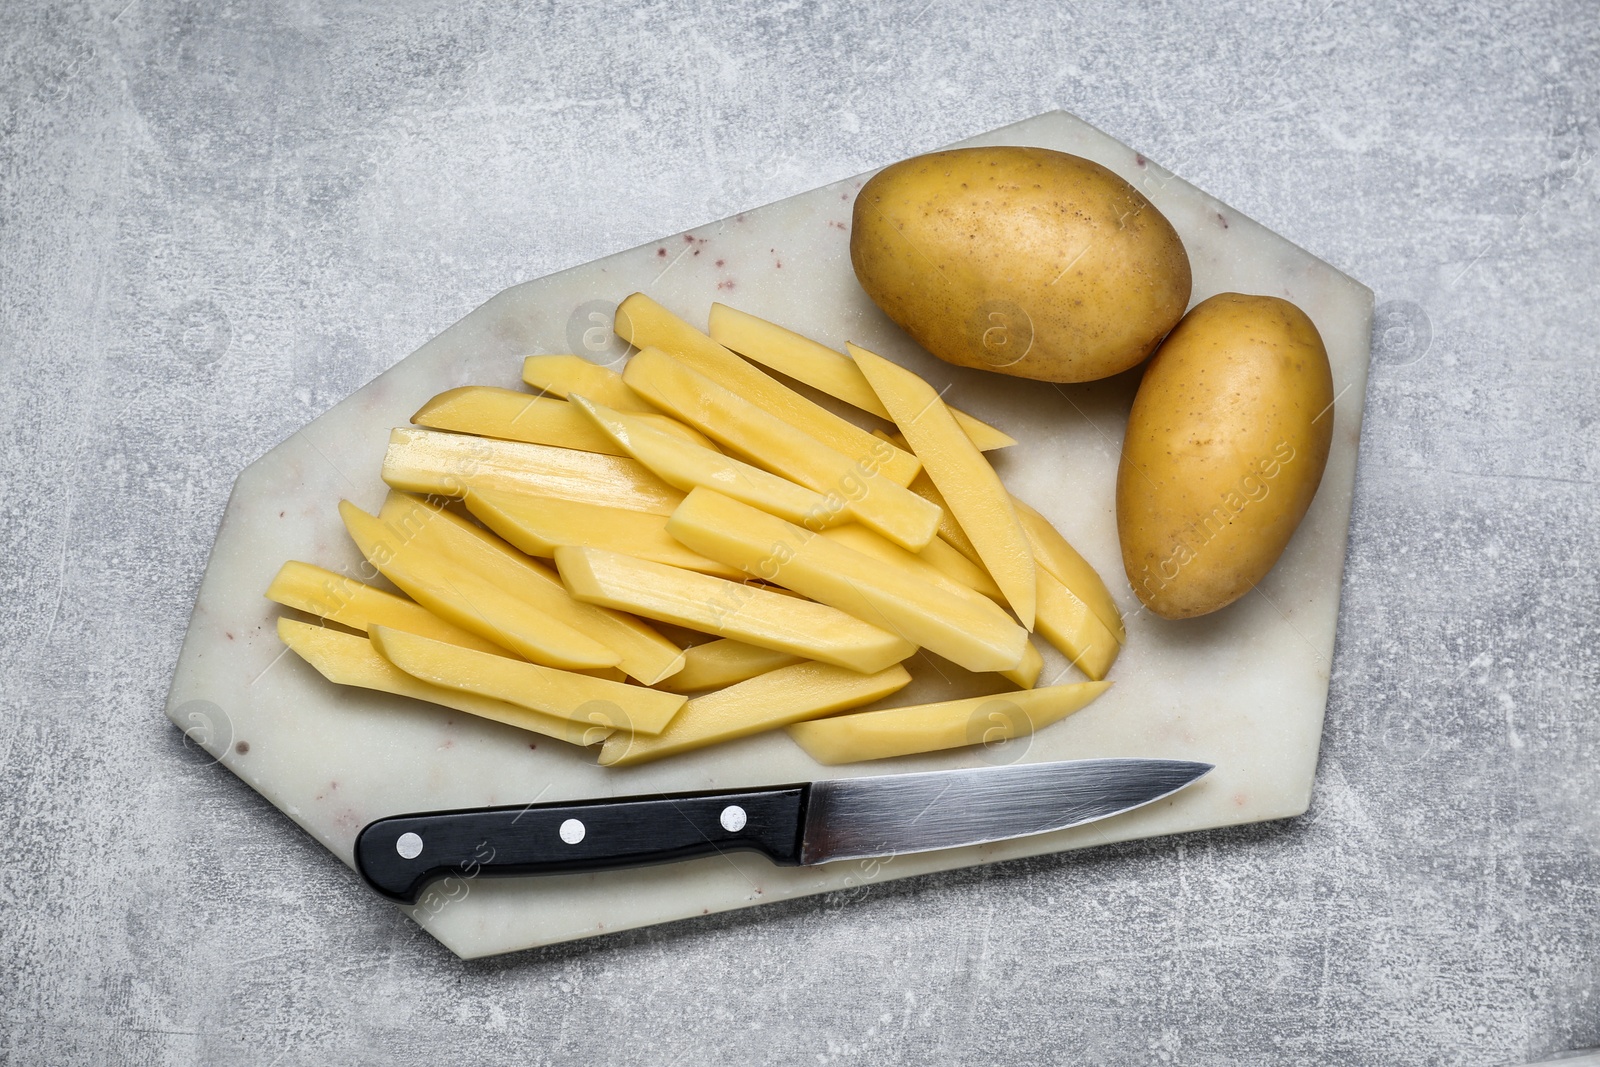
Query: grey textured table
215,221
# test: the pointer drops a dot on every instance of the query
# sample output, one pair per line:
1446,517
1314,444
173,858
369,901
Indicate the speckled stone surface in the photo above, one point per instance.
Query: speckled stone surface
217,221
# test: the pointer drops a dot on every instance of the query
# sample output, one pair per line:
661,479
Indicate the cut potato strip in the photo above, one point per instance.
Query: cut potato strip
347,659
642,653
539,525
904,731
1059,614
337,598
646,324
683,466
456,594
961,625
1026,674
868,543
1055,554
723,662
823,369
565,374
729,609
886,507
451,464
949,529
1051,552
561,694
972,491
540,420
942,556
1069,624
766,702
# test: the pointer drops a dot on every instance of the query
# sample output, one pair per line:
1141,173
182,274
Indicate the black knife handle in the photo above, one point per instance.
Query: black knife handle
400,855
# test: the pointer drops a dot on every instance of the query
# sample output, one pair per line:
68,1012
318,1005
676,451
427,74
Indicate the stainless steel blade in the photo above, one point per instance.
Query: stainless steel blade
859,818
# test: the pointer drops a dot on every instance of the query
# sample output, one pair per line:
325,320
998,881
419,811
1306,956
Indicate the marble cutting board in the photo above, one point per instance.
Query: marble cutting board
1244,689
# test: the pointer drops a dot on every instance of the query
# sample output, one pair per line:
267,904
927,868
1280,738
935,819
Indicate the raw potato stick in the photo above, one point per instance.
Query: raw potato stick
905,731
729,609
539,525
766,702
1068,624
472,603
971,489
337,598
348,659
646,324
683,466
642,653
723,662
1055,554
863,540
823,369
728,418
431,463
942,556
564,375
868,543
964,627
561,694
1025,675
949,528
540,420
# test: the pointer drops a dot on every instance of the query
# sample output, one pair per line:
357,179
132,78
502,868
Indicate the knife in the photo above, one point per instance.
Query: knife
818,822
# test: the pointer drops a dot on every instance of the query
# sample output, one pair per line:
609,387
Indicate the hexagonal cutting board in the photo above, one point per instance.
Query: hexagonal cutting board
1244,688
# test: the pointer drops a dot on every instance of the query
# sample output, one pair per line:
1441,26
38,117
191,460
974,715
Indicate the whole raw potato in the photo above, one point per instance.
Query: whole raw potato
1020,260
1225,448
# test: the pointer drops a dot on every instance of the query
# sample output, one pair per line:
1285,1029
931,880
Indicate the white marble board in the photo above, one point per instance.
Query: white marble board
1244,688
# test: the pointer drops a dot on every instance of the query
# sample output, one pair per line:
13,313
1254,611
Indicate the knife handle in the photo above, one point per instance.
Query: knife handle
400,855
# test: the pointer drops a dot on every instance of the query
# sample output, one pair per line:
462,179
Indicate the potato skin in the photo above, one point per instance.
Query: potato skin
1225,448
1025,261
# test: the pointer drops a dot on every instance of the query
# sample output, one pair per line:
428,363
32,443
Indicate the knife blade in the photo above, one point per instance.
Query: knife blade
809,823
